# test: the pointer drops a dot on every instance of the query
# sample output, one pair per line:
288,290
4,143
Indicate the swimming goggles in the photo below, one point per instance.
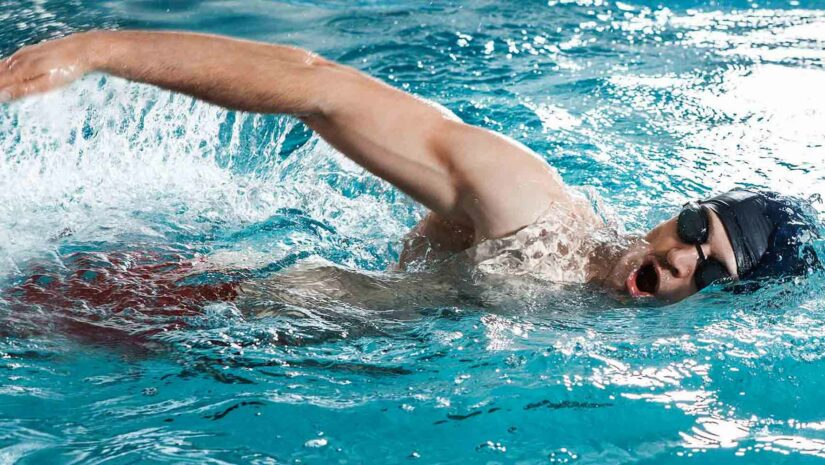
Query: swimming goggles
692,227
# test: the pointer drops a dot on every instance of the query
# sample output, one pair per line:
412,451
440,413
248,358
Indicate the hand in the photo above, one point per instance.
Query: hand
40,68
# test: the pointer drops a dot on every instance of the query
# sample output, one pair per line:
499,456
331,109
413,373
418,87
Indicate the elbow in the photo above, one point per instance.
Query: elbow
331,74
332,86
319,64
315,60
312,82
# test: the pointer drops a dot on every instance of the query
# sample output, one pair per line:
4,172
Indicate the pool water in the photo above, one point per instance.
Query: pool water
111,191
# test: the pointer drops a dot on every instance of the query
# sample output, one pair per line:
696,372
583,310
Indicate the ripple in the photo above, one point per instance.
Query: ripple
130,217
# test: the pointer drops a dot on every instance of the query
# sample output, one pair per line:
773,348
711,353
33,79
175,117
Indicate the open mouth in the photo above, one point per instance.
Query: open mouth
647,280
644,282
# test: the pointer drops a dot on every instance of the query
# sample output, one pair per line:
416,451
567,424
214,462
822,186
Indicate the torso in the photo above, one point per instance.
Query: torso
556,247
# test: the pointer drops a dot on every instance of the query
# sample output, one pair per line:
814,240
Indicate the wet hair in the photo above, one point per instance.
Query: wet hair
774,236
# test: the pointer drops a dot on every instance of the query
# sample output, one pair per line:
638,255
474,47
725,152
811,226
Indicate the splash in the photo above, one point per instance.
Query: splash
105,160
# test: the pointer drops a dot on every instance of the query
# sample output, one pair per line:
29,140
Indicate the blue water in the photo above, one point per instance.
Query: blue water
106,187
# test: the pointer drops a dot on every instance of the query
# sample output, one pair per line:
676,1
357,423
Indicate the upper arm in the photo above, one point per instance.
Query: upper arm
467,174
501,184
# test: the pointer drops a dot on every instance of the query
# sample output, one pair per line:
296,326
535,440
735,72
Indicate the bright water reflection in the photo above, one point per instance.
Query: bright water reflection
121,184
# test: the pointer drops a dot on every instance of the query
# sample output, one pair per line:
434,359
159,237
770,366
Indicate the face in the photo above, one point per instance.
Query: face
663,266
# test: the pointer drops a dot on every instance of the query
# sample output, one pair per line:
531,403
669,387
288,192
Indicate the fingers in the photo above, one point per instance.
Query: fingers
18,68
6,73
39,68
23,75
23,89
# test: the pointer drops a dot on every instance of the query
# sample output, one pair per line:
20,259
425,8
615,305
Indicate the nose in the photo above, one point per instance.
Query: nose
683,260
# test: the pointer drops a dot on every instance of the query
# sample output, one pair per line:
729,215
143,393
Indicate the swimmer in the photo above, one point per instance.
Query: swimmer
490,199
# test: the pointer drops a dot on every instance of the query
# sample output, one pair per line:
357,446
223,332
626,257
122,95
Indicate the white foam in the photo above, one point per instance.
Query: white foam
151,156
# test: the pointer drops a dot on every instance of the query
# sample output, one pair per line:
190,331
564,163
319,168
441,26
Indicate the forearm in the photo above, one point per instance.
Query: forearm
381,128
236,74
469,176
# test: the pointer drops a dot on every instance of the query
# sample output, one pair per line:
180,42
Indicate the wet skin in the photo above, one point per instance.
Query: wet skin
477,184
673,261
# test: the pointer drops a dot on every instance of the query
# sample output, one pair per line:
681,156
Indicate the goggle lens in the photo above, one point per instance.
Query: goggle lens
692,227
709,272
692,224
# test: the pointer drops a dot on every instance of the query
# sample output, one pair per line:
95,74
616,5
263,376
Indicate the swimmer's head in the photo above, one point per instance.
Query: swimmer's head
736,237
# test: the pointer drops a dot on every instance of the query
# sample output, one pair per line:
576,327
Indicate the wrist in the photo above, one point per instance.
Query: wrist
99,49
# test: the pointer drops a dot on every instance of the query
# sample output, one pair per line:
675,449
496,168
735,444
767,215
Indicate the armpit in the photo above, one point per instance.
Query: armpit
434,239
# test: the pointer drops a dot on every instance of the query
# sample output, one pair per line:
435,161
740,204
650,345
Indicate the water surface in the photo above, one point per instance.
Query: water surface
648,105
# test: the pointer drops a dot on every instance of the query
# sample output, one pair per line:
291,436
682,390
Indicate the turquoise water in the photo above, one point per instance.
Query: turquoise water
109,191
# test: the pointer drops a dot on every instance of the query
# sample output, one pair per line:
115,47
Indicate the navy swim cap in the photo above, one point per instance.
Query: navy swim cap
771,234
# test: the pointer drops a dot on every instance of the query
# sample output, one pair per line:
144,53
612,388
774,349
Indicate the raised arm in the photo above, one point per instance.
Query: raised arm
466,174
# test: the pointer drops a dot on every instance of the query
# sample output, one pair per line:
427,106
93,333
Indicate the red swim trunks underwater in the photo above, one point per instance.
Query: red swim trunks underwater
103,296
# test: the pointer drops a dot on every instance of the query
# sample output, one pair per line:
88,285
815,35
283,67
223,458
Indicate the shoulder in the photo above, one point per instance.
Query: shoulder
501,184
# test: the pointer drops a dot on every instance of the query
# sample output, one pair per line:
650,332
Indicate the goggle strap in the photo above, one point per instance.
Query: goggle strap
701,253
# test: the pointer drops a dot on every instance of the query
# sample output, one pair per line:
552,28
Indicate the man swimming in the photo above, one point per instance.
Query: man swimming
489,197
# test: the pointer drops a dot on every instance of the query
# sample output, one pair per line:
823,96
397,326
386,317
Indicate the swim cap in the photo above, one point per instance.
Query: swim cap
771,234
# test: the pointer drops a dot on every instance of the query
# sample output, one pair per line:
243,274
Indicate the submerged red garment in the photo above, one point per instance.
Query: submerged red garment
133,288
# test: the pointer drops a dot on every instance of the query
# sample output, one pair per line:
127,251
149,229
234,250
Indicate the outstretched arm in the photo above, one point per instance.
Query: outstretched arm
469,175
